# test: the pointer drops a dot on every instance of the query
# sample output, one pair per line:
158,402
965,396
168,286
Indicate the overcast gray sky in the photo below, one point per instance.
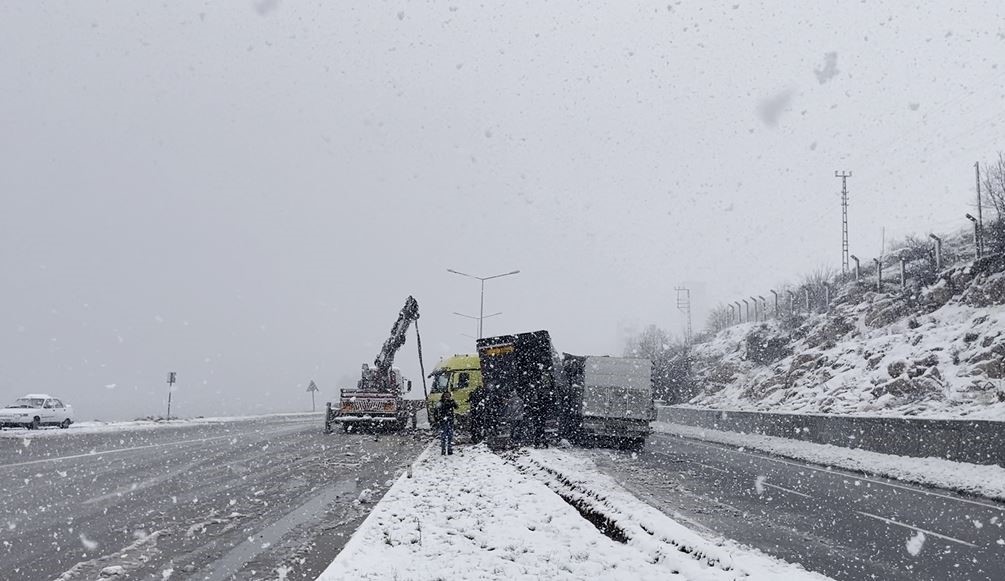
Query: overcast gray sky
246,192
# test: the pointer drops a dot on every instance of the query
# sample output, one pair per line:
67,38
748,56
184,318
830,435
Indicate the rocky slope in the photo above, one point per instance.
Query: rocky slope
930,351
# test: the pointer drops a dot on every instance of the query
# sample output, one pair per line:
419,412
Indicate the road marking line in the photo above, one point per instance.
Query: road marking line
834,470
712,467
114,451
914,528
789,490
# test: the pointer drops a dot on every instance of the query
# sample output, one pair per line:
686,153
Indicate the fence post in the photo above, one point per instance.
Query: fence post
938,252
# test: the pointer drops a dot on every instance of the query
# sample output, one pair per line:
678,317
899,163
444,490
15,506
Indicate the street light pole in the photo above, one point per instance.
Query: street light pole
977,235
479,319
481,309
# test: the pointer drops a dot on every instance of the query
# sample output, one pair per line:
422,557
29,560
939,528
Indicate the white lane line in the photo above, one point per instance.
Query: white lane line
789,490
914,528
115,451
712,467
834,471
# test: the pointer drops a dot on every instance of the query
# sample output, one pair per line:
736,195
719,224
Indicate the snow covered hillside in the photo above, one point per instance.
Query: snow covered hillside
935,350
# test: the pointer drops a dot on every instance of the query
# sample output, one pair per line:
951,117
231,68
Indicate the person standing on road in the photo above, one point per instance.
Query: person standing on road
445,411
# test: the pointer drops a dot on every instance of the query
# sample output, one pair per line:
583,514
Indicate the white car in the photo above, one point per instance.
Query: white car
36,410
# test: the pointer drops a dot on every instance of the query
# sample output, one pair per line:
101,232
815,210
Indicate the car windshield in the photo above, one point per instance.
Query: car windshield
28,402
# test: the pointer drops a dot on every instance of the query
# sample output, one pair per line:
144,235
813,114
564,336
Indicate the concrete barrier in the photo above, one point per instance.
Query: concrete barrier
975,441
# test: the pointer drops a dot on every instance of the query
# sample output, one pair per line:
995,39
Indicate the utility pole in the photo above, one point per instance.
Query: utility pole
858,269
684,306
171,380
844,221
980,215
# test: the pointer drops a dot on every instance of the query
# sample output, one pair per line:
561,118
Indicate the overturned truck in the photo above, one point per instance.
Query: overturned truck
534,397
519,401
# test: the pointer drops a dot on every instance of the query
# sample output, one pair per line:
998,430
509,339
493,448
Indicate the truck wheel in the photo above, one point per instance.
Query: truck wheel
65,424
35,423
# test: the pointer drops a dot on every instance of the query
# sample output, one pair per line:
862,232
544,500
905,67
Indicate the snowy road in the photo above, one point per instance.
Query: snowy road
840,524
267,498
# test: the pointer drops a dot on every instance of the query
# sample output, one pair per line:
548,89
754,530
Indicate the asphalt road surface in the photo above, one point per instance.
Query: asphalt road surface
261,499
842,524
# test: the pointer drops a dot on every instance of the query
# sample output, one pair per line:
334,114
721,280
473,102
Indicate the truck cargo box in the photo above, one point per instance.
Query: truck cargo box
607,398
519,382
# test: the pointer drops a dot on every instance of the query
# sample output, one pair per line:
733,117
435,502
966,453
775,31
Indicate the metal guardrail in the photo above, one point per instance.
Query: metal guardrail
974,441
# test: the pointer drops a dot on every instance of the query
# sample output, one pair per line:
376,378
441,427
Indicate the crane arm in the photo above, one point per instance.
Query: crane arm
385,359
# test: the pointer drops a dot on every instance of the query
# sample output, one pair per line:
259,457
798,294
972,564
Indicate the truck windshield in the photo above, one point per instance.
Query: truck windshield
26,402
440,382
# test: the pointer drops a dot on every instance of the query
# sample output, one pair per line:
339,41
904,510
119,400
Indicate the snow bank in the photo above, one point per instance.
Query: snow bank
981,480
657,537
99,427
475,515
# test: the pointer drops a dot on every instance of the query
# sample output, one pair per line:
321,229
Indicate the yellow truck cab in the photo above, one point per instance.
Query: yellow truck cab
462,374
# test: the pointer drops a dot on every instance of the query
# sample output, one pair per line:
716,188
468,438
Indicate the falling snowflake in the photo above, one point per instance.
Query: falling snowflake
915,543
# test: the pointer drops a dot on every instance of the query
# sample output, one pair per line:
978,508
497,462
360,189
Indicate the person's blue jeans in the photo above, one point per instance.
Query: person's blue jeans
446,437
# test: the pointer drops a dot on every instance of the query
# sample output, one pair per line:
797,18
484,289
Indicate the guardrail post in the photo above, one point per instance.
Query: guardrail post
328,417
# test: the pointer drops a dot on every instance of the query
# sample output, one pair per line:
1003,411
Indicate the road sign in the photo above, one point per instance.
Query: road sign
312,388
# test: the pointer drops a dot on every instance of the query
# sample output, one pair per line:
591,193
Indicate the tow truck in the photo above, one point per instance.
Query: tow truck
377,399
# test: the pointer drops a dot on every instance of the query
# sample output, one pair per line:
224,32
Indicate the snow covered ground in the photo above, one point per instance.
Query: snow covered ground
981,480
524,515
99,427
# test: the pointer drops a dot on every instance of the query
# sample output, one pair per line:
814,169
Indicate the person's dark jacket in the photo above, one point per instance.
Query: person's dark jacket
445,409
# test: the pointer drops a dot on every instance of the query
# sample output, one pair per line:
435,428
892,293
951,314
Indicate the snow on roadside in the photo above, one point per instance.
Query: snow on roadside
475,515
654,534
981,480
99,427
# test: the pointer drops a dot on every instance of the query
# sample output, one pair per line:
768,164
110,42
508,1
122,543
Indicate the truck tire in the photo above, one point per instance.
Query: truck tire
35,423
65,424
